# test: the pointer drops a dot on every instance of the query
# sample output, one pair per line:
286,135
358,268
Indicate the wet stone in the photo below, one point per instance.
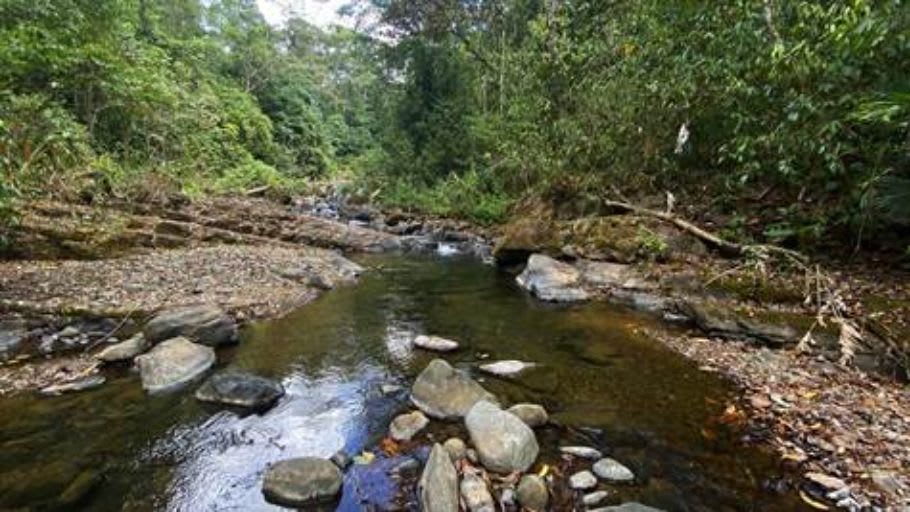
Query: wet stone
443,392
584,452
435,343
173,364
595,498
207,325
438,486
532,415
123,351
532,493
456,448
503,442
241,390
301,482
85,383
475,494
508,368
406,426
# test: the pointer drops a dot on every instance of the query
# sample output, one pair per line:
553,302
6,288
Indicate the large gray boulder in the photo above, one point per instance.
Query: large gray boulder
446,393
174,363
206,324
123,351
438,486
242,390
302,482
503,442
552,280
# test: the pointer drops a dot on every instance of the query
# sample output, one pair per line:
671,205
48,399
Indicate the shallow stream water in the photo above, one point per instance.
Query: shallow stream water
603,380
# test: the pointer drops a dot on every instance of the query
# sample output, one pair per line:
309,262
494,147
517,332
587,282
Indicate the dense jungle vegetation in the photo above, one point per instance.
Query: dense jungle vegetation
786,121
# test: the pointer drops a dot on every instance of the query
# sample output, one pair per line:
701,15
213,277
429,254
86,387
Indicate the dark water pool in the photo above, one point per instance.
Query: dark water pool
114,448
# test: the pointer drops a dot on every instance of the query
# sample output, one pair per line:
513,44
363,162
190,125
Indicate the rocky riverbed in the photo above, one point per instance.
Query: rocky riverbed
175,305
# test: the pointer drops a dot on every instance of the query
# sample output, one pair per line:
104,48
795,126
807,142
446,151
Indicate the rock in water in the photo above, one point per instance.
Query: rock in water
612,471
446,393
627,507
585,452
509,368
595,498
208,325
301,482
174,363
240,390
476,496
438,486
435,343
552,280
532,493
583,480
532,415
123,351
406,426
503,442
85,383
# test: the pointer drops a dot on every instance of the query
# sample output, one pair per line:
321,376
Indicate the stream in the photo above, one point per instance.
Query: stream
604,382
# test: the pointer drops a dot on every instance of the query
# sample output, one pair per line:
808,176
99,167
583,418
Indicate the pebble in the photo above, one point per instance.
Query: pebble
595,498
583,480
532,493
584,452
612,471
456,448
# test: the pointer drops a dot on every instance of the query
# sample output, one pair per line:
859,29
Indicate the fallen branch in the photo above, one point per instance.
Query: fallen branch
725,246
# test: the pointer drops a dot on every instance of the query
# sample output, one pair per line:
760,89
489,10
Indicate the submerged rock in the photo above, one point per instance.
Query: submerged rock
552,280
476,496
406,426
504,443
627,507
173,364
585,452
302,482
728,324
438,486
532,415
123,351
532,493
90,382
435,343
508,368
240,390
443,392
206,324
612,471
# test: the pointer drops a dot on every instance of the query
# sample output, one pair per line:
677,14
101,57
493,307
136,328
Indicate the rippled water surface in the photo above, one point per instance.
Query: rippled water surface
114,448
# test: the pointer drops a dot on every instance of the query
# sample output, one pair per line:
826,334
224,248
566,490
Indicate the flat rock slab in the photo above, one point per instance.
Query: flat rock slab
507,368
204,324
443,392
302,482
552,280
435,343
438,486
173,364
503,442
242,390
123,351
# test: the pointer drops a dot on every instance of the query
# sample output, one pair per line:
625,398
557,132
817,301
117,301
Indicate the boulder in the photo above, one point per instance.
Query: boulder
508,368
612,471
435,343
584,452
476,496
583,480
302,482
532,493
208,325
123,351
552,280
532,415
504,443
173,364
438,486
443,392
241,390
406,426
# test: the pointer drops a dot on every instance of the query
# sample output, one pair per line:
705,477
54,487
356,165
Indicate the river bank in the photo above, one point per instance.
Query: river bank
255,259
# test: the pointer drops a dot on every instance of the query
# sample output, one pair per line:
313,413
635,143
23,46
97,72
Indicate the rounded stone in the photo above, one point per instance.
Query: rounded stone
301,482
406,426
612,471
242,390
532,493
583,480
456,448
532,415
